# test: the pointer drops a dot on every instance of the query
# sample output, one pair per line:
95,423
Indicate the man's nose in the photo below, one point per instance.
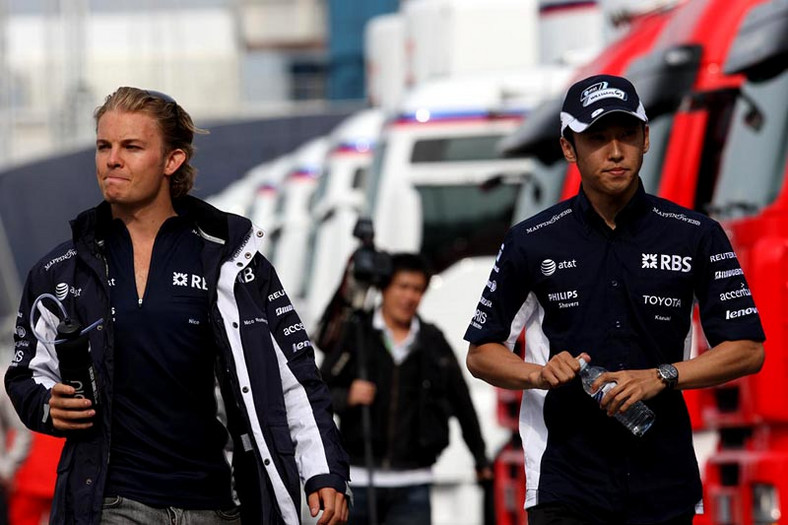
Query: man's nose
114,159
615,151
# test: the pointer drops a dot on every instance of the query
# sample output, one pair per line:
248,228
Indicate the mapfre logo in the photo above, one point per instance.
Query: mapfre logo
661,261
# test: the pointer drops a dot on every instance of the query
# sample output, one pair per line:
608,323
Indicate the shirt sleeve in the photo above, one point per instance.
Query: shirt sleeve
499,316
727,309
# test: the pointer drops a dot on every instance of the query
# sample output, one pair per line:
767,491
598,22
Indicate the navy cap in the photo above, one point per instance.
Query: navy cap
594,97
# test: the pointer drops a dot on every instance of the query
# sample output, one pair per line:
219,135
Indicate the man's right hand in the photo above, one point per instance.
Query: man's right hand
361,392
69,412
559,370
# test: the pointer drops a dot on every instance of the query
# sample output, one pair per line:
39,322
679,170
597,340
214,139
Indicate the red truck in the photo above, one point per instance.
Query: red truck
747,478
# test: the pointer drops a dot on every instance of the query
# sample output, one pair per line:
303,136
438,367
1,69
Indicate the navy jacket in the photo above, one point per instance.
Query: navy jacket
278,408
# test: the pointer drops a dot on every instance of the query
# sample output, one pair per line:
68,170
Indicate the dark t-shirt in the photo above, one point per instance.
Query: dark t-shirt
625,297
167,445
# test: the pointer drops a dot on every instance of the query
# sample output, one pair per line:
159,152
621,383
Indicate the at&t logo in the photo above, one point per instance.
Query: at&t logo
549,266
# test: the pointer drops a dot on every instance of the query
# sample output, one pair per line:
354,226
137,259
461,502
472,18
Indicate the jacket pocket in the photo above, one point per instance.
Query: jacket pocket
285,460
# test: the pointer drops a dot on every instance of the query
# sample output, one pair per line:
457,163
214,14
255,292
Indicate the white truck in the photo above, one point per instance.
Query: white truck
337,203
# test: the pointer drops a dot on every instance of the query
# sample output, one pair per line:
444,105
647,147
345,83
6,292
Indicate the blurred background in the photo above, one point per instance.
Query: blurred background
439,120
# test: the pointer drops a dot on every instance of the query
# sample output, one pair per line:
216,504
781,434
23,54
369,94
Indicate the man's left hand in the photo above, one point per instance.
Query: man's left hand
631,386
333,503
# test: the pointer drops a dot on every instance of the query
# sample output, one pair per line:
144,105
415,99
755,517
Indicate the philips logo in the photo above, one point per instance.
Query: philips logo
660,261
492,285
562,296
733,314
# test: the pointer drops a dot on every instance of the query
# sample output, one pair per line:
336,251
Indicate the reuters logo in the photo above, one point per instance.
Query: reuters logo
548,267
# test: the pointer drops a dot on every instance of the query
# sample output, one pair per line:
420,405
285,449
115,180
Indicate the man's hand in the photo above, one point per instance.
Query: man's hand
559,370
69,412
333,503
484,474
361,393
631,386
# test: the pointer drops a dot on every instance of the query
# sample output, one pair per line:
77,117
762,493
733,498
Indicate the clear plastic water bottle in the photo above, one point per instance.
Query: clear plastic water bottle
638,418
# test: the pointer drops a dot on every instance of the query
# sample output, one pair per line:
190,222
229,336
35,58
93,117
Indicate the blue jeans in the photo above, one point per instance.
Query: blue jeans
118,510
409,505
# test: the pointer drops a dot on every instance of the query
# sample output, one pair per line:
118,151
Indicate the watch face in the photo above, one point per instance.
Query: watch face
668,373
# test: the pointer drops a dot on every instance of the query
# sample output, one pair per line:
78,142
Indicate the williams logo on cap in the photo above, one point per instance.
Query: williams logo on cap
600,91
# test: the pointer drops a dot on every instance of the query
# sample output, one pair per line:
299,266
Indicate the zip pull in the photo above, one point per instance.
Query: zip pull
139,303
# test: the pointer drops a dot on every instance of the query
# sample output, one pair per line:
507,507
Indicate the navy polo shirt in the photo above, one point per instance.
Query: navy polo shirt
624,296
166,441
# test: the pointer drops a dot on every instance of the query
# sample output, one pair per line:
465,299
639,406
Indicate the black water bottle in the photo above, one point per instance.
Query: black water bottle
76,365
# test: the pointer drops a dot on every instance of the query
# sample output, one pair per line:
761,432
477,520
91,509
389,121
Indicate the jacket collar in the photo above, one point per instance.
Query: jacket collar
92,226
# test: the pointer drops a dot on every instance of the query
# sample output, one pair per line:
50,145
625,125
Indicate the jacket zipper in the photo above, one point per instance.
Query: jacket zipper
393,413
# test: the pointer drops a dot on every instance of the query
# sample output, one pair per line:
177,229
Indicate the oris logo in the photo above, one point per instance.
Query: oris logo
293,328
480,317
672,263
549,266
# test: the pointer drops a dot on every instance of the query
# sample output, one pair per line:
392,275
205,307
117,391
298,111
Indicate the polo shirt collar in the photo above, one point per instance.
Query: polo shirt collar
628,218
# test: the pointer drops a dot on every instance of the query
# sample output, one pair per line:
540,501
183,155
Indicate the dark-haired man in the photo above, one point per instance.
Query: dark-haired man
611,276
415,384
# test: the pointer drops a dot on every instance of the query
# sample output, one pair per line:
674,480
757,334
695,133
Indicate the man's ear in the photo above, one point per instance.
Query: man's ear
173,161
646,141
568,150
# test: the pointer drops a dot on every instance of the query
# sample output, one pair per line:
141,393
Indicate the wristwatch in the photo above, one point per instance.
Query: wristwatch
669,375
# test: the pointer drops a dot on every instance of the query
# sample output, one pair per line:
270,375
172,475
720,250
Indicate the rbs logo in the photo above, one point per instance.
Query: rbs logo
661,261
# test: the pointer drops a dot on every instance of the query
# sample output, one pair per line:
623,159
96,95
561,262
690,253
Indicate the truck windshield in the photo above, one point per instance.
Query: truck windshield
659,135
540,189
754,159
464,221
455,149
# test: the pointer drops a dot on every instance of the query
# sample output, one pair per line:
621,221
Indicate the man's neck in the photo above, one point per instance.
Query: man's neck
144,222
609,206
398,330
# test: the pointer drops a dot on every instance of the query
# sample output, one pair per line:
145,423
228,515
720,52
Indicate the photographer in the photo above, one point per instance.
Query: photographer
414,384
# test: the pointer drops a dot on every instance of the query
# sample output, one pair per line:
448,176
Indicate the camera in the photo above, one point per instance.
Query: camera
369,266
